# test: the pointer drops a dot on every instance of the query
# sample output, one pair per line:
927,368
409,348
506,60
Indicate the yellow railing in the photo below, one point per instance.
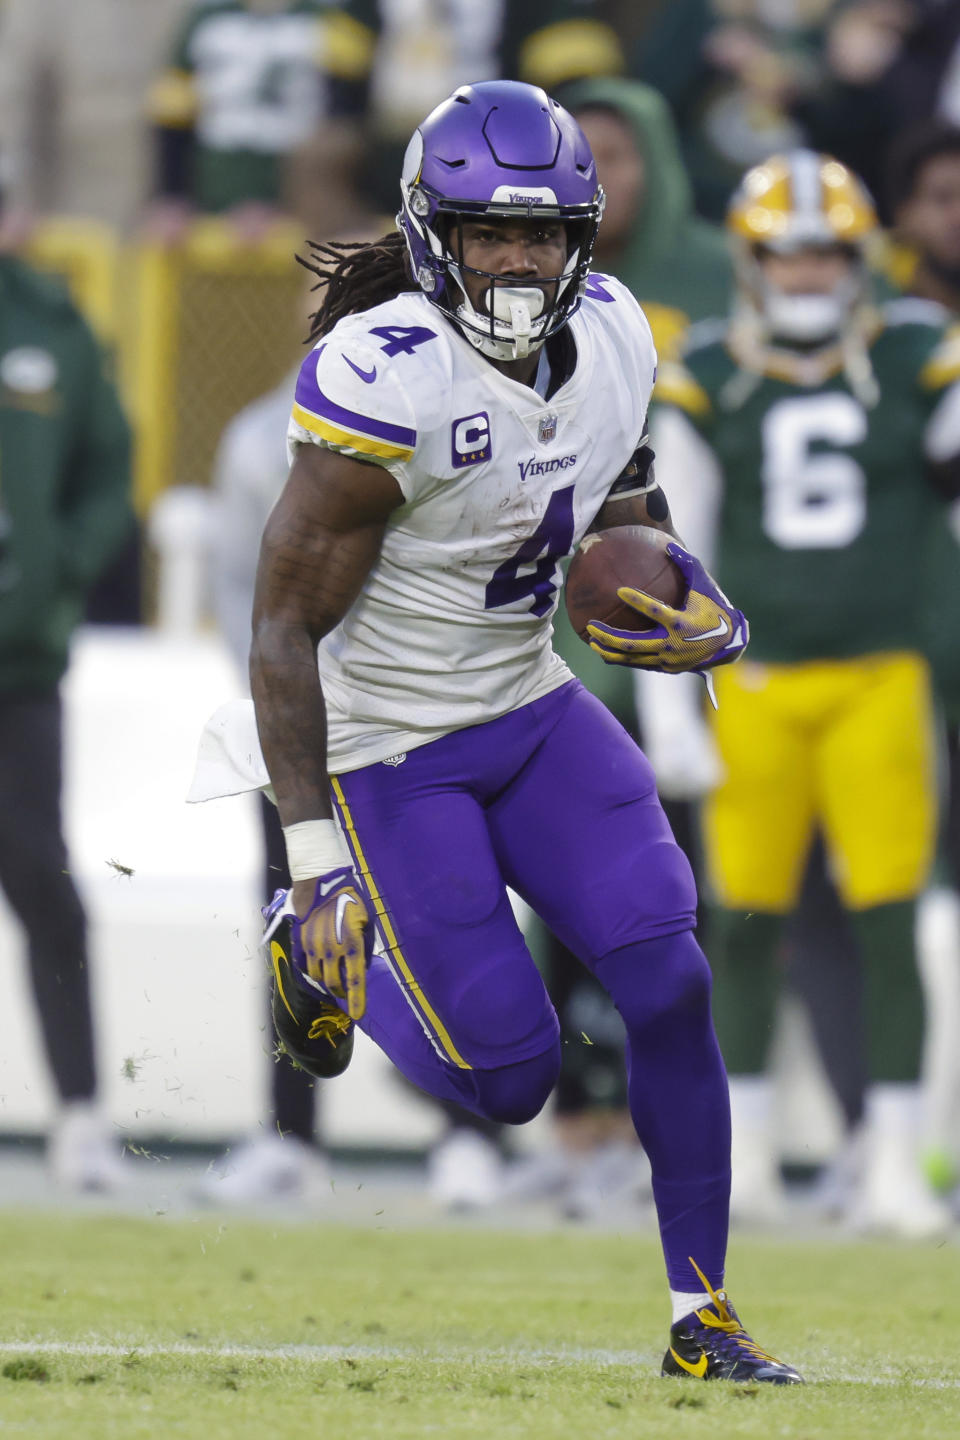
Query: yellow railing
217,325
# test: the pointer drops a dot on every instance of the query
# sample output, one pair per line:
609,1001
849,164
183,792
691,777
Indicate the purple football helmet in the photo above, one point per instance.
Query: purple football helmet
504,150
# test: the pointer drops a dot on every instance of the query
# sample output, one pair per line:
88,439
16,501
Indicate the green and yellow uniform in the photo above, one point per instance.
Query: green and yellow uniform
245,85
823,522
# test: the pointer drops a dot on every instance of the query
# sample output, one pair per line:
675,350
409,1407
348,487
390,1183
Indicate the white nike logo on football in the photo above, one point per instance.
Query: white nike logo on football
342,902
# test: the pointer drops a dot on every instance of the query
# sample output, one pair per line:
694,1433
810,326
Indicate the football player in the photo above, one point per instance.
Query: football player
472,398
822,432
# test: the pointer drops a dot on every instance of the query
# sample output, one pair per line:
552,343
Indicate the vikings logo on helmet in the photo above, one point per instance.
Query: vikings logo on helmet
499,149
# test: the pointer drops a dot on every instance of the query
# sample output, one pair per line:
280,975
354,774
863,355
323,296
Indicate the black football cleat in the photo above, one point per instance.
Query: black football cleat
711,1344
314,1033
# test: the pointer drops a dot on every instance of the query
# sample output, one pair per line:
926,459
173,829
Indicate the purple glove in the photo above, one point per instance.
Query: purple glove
705,632
332,944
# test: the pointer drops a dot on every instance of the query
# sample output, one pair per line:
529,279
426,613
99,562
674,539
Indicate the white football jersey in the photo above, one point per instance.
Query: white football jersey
453,626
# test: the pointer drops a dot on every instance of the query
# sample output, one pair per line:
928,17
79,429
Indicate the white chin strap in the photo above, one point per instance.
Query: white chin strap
515,309
517,306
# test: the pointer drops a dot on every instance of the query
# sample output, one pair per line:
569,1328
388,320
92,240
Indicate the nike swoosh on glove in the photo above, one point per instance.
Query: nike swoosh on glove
705,632
332,944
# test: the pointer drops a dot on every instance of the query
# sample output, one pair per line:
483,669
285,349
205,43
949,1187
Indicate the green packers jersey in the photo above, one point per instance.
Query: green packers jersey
249,83
826,512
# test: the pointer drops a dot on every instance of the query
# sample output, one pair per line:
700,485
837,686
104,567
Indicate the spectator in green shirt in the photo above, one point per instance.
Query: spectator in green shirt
64,514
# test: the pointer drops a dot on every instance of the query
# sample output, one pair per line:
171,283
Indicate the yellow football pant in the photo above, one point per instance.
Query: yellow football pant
843,745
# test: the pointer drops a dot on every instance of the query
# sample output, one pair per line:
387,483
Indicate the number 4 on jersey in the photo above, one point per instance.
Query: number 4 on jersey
403,339
554,535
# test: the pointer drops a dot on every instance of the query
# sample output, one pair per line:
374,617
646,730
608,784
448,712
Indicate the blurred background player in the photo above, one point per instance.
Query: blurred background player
817,434
64,514
243,117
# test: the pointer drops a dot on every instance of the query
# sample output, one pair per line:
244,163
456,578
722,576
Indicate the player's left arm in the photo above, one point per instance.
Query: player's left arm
707,630
635,497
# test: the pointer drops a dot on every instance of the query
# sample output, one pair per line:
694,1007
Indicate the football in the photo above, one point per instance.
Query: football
631,555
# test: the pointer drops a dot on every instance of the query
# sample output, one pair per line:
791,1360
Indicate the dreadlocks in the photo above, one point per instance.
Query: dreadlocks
355,276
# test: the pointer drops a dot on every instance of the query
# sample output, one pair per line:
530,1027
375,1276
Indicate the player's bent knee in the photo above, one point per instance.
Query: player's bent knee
655,978
514,1094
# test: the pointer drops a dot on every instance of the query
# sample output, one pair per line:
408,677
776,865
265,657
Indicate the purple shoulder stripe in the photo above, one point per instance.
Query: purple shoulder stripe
311,397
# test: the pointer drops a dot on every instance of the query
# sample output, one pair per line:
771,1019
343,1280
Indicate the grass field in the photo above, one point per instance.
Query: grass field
203,1329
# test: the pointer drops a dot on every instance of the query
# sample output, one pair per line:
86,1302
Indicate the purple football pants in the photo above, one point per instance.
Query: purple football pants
556,801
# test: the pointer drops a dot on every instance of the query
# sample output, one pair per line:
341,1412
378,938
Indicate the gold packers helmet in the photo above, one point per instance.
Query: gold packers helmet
795,201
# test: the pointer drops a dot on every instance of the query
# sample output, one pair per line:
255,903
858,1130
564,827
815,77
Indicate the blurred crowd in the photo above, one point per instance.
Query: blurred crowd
183,149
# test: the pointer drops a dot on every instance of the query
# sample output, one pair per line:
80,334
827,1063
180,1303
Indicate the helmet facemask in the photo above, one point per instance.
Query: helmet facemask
518,314
805,317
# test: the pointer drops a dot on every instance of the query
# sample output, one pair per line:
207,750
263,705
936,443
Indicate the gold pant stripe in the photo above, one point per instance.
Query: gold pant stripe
421,1004
846,746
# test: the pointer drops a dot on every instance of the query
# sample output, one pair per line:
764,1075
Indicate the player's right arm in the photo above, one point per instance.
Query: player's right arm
320,542
318,547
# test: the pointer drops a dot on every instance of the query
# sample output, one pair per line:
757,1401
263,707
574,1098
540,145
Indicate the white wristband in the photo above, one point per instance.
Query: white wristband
314,847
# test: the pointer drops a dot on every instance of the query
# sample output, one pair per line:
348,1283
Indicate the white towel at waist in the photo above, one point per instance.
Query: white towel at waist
229,758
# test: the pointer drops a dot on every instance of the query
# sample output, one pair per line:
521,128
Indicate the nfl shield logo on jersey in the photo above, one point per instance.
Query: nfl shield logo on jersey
547,429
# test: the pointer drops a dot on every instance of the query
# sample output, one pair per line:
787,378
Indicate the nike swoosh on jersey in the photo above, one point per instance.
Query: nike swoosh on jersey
699,1370
367,376
342,902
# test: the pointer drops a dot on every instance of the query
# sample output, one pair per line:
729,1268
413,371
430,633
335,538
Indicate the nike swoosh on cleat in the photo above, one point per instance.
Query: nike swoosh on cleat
699,1370
276,955
367,376
342,902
